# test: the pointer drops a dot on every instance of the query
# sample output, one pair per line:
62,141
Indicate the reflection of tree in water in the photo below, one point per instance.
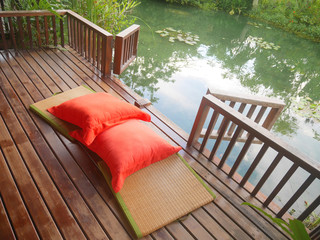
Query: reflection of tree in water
285,73
157,65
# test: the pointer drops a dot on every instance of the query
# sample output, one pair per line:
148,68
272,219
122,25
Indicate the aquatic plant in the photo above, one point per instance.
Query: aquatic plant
306,107
258,25
179,35
261,43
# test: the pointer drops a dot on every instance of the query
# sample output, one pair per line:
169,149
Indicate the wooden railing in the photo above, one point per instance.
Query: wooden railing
29,29
26,29
125,48
90,41
254,130
262,110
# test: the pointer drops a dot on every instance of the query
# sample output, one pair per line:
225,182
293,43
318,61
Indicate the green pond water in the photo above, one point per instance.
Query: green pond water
236,54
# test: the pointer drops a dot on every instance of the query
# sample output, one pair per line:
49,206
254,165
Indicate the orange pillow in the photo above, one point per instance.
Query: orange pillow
129,147
96,112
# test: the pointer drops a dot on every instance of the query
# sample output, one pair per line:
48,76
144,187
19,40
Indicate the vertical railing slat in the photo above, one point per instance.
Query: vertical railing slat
280,185
254,164
231,104
62,32
72,32
79,37
38,31
12,34
211,125
224,124
230,146
89,44
104,54
99,51
241,155
29,32
233,126
86,37
296,195
54,30
310,209
69,30
76,35
267,174
198,123
46,28
3,36
21,35
260,114
94,48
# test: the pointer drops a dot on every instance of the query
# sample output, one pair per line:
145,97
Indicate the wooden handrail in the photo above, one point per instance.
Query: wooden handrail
261,109
30,28
89,40
31,13
125,48
254,130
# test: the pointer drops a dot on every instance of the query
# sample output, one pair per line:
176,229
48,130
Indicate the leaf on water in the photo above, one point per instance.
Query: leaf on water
186,37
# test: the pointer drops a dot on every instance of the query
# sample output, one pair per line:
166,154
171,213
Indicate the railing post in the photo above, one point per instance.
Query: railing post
198,123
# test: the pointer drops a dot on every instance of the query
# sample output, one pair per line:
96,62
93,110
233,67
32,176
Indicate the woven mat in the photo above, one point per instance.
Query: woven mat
41,107
152,197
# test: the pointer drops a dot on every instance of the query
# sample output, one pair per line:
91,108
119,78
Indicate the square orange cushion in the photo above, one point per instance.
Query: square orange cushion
96,112
129,147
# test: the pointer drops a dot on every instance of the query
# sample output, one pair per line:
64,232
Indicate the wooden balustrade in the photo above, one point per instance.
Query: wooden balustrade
262,110
22,29
90,41
233,118
126,48
28,29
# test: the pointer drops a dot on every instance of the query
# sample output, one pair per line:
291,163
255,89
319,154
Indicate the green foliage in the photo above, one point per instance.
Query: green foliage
112,15
301,17
307,108
312,220
50,5
231,6
294,228
234,6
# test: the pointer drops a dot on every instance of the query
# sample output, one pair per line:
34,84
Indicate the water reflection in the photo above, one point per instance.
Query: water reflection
175,76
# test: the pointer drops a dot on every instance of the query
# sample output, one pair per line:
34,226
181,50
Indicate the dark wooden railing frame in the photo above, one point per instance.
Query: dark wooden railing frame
260,108
269,141
125,48
89,40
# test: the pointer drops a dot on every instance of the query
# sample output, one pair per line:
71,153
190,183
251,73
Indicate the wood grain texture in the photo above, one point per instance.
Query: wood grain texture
66,180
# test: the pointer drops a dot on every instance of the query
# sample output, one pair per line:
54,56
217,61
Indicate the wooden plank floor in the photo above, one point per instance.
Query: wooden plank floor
51,188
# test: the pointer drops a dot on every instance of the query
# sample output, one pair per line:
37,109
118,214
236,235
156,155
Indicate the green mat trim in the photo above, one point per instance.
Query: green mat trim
51,121
121,202
197,176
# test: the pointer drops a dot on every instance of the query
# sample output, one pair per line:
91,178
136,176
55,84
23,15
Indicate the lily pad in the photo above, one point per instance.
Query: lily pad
262,44
172,34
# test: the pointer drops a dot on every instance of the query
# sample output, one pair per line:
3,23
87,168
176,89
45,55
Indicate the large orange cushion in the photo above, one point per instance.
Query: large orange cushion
96,112
129,147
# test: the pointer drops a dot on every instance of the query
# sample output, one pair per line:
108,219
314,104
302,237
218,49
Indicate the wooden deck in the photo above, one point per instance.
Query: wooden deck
50,188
